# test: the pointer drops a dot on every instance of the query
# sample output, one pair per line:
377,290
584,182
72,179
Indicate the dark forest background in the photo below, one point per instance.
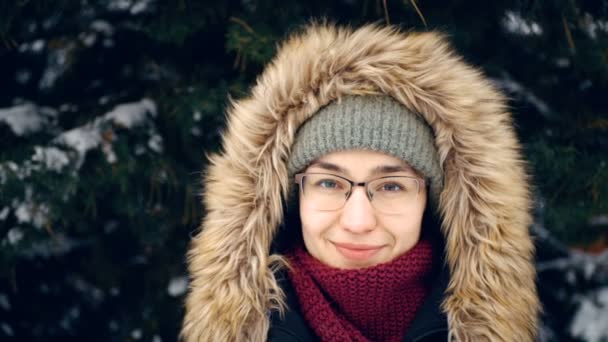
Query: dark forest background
107,109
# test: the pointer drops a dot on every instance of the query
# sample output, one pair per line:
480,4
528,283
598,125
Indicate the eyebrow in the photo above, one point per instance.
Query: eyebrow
327,166
392,169
377,170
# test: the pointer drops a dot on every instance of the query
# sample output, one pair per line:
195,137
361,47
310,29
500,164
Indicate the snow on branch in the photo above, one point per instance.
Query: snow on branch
27,118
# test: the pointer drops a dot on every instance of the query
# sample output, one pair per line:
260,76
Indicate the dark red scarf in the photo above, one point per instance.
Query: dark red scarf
377,303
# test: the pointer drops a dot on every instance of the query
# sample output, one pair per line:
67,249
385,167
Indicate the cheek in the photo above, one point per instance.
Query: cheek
404,229
314,223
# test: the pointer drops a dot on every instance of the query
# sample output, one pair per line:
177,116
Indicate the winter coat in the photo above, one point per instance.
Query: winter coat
235,292
429,325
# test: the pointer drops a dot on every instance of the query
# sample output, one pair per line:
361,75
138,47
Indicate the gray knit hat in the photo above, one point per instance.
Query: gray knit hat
375,123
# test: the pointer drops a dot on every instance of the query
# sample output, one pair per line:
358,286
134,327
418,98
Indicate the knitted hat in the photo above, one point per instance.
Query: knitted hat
374,123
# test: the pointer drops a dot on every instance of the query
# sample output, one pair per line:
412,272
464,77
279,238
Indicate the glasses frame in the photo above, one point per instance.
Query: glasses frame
300,176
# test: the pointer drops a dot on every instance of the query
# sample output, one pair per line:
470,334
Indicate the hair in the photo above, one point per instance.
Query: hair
289,233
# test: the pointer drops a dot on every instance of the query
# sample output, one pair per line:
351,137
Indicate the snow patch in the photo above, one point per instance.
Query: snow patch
14,235
527,95
36,46
590,321
51,157
59,245
50,22
177,286
68,107
600,220
195,131
119,5
113,325
6,168
114,291
593,26
130,115
44,158
82,139
4,303
139,150
31,212
88,39
584,286
109,153
562,62
155,143
57,64
197,116
26,118
4,213
140,7
7,329
570,277
70,316
515,23
136,334
95,294
103,27
110,227
104,100
22,76
12,166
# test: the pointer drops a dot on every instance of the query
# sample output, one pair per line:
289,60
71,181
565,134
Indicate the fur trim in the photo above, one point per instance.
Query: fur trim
485,203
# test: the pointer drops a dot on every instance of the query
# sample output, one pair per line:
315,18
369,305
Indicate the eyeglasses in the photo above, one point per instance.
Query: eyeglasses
389,195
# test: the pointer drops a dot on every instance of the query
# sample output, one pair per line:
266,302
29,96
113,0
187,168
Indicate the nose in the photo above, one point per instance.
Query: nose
358,215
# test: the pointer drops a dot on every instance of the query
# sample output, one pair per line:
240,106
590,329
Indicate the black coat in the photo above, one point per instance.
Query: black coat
430,324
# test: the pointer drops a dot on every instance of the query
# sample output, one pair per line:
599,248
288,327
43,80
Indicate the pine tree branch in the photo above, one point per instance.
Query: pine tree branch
388,21
244,25
413,2
568,35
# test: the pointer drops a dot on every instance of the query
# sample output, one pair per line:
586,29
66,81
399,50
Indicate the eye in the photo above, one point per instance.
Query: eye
391,187
327,184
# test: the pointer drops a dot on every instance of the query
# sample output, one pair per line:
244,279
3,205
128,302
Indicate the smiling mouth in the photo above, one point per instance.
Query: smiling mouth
357,251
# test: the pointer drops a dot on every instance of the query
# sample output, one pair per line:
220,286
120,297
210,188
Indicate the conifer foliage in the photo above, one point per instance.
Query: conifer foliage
108,108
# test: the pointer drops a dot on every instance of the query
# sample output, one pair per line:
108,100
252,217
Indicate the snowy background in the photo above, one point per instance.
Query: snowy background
108,108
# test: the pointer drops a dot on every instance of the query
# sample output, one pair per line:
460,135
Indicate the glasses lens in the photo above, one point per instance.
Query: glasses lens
324,192
393,195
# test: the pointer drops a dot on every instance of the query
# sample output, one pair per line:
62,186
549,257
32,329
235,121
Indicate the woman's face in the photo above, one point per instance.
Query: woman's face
358,235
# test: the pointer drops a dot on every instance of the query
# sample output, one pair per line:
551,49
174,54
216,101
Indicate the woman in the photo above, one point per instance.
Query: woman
370,188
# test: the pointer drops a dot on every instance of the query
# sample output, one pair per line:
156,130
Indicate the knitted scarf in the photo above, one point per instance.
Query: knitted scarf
377,303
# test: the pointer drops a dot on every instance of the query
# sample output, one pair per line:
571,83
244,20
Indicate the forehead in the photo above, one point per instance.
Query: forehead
361,162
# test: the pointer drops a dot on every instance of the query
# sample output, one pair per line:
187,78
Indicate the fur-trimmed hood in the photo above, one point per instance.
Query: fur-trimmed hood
484,206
